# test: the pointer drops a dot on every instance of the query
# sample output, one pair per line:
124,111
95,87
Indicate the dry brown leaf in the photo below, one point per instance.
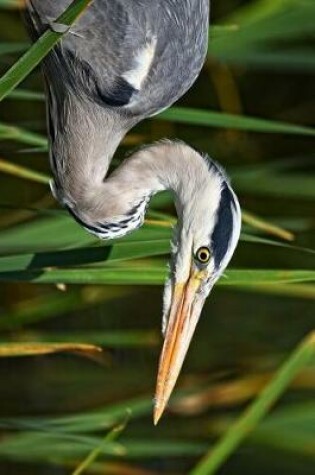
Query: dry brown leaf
29,349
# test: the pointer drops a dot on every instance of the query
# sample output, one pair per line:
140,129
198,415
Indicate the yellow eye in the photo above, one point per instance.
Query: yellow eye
203,255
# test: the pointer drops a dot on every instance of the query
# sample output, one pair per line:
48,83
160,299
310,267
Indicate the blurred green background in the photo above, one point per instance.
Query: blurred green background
60,285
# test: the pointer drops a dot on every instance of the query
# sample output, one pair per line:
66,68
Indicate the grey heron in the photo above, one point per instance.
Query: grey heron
124,61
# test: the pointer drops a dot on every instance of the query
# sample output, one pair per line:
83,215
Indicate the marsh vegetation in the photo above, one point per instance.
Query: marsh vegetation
66,407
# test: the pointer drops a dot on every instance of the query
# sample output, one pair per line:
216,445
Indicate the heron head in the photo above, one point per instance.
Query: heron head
206,236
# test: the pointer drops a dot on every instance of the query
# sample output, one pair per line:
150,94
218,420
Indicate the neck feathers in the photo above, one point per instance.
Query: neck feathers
118,226
112,206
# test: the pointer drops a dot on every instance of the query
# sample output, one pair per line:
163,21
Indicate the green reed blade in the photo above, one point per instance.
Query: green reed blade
257,410
40,49
222,119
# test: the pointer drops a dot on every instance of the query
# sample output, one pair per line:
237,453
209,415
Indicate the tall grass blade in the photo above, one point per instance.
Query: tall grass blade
118,339
38,446
30,349
22,172
77,257
221,119
300,291
154,274
40,49
25,95
263,225
258,409
99,419
10,3
110,437
11,132
291,429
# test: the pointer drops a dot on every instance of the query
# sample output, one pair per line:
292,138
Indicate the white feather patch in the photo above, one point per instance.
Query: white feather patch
167,297
142,63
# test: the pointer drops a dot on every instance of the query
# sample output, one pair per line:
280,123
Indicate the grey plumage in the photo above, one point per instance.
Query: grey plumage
87,92
102,47
123,61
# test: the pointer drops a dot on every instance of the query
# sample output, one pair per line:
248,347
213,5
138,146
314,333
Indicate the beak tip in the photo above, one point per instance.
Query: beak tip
157,414
181,325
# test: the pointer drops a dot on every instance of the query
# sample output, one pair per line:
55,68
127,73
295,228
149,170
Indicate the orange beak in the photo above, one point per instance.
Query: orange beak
183,317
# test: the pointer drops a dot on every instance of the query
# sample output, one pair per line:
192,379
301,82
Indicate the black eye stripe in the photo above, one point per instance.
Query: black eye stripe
223,230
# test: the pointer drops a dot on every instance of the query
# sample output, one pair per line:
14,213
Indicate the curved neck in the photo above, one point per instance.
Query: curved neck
111,206
84,138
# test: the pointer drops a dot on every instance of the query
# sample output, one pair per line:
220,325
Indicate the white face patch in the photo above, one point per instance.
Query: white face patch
142,63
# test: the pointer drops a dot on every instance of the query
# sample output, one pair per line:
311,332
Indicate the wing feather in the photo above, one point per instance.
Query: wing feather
140,55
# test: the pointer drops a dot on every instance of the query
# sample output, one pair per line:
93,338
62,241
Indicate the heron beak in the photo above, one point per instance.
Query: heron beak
183,317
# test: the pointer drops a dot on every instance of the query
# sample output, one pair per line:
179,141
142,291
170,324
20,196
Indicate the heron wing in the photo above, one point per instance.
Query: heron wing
137,54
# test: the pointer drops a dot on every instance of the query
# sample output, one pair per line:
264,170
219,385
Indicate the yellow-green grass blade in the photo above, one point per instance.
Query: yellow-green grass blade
46,233
289,22
259,9
17,349
294,59
279,185
26,95
279,178
23,172
259,240
247,422
187,116
99,419
40,49
293,20
39,446
108,254
104,255
289,429
221,119
263,225
63,446
97,451
66,427
276,165
62,232
117,339
296,291
146,243
154,274
149,241
11,132
10,3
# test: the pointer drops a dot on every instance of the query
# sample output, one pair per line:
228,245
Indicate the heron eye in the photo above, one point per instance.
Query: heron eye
203,255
